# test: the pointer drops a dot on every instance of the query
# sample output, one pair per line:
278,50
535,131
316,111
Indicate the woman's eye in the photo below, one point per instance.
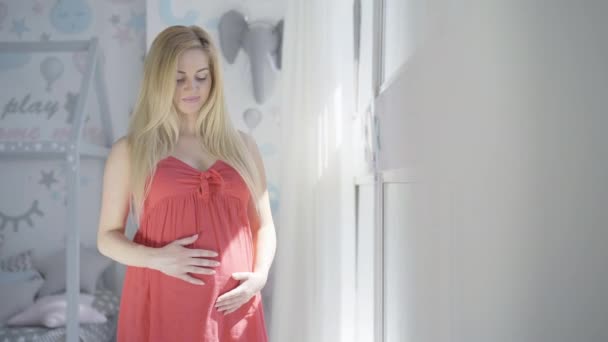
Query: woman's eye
180,80
201,79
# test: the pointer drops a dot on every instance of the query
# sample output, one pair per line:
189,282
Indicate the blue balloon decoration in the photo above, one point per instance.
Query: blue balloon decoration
71,16
252,118
51,69
12,60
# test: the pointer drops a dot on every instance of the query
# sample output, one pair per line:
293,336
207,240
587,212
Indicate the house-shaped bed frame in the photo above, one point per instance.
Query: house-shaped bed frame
70,152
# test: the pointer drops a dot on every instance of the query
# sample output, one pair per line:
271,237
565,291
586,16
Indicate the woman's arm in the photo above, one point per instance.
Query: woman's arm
264,239
262,227
111,239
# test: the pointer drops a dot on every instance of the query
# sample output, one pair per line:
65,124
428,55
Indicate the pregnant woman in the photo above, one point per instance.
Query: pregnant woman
197,187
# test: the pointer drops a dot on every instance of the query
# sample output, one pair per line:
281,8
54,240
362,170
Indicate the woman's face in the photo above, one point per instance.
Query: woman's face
192,81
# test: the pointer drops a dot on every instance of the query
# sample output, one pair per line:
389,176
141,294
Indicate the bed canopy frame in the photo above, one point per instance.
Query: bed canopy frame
70,152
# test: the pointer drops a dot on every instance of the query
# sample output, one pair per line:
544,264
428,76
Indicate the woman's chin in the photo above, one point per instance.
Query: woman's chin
189,111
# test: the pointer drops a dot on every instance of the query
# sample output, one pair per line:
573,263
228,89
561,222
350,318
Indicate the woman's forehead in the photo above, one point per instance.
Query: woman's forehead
193,59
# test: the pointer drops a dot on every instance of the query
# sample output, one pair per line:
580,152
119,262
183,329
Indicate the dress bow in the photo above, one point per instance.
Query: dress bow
208,178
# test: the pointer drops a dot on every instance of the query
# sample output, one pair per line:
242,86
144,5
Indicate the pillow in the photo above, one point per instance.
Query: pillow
18,262
86,315
50,311
17,295
9,277
53,269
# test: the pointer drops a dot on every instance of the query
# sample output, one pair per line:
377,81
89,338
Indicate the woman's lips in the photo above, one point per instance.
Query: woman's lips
191,99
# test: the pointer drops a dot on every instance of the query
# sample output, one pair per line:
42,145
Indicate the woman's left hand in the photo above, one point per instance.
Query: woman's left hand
251,284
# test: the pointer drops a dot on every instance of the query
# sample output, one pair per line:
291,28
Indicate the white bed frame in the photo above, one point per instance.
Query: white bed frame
69,152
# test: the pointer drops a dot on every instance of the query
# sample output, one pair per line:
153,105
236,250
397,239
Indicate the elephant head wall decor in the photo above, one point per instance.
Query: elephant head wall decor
261,41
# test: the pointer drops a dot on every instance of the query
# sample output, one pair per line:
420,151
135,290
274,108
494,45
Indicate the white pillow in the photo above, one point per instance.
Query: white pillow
50,311
86,314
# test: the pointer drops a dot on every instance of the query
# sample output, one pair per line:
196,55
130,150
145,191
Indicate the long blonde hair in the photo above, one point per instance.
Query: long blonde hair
154,126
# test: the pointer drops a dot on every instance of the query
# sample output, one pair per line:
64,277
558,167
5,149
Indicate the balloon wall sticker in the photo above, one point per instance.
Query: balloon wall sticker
3,14
252,118
71,16
166,14
51,68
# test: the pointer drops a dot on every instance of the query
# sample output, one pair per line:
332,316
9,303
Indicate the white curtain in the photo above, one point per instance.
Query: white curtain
313,281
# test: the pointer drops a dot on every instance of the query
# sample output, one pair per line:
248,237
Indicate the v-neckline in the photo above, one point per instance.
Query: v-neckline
217,161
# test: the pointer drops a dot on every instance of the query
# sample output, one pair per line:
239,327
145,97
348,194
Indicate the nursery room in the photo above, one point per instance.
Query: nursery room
303,171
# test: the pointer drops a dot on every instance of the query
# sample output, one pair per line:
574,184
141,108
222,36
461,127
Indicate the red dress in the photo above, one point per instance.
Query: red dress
184,201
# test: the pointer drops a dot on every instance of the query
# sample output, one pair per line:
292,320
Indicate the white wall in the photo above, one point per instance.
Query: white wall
502,112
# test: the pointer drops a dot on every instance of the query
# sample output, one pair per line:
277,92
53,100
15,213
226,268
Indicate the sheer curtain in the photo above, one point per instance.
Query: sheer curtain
313,284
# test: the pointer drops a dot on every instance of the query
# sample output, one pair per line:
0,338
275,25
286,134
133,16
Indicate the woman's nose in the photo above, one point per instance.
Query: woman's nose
190,84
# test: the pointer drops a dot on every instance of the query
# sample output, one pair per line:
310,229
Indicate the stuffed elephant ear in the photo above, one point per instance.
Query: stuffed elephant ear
278,52
231,28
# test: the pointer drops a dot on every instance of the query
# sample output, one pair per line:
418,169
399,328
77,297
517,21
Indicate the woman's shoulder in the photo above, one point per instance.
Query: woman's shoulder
119,153
120,147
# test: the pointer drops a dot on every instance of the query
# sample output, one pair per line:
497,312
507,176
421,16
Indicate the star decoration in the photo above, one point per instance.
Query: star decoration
137,22
48,178
122,35
19,27
115,19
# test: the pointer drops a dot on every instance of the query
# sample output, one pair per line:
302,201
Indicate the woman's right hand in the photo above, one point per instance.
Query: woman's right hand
176,260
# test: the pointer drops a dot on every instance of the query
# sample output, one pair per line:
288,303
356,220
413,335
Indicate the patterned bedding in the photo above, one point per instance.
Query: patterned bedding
105,301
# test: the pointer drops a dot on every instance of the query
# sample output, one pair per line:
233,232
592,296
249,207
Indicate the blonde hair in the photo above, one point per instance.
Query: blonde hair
154,127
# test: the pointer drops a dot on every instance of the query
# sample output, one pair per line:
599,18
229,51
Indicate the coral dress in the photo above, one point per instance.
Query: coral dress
183,201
